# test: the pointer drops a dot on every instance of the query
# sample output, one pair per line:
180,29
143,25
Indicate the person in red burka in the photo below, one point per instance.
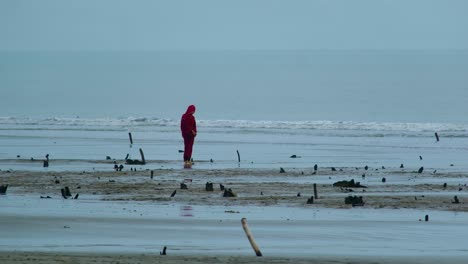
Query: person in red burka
188,127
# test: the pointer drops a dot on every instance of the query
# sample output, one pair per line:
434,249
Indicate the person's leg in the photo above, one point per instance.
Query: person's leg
188,146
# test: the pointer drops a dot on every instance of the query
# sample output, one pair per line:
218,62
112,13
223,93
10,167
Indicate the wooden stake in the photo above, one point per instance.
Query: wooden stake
437,136
238,156
131,139
315,191
142,156
250,237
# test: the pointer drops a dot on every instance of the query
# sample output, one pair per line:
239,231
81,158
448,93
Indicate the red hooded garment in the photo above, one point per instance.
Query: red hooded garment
188,123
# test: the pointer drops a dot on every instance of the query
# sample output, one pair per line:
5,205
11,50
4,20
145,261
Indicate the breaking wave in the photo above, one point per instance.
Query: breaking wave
377,129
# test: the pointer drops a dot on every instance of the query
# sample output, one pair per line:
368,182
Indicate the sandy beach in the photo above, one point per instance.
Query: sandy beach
128,217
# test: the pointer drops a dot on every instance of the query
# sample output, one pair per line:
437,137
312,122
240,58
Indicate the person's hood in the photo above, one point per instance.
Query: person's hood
190,110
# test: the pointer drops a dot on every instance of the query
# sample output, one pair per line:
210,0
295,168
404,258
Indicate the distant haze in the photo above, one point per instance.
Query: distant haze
240,24
362,60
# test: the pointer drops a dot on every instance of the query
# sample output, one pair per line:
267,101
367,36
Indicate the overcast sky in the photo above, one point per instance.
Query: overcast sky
236,24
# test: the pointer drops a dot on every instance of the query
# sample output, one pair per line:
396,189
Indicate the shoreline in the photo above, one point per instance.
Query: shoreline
53,258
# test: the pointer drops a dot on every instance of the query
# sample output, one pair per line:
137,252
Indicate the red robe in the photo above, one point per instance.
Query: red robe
188,126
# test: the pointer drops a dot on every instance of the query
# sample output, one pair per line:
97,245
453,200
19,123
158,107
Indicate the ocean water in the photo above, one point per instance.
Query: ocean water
332,108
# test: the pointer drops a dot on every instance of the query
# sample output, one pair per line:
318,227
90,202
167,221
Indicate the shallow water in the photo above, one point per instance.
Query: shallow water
85,225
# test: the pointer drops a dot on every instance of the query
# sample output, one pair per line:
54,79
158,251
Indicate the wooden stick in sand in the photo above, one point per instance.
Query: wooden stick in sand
238,156
142,157
315,191
131,139
250,237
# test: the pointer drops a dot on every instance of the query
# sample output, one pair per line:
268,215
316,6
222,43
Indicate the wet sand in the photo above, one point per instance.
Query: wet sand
264,187
289,229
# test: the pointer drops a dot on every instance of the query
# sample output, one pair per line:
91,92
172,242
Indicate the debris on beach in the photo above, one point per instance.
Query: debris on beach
315,167
349,184
221,187
183,186
333,169
209,187
354,200
66,193
3,188
45,197
136,161
455,200
437,136
163,252
46,161
401,166
366,167
282,170
383,179
420,158
229,193
294,156
421,170
173,193
231,212
310,200
250,237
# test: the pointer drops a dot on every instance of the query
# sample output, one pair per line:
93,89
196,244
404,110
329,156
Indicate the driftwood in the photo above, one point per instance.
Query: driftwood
315,192
238,156
349,184
136,161
229,193
354,200
163,252
183,186
310,200
437,136
209,187
3,189
130,137
421,170
250,237
173,193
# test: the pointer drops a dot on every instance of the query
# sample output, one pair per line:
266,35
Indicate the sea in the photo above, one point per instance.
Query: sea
255,109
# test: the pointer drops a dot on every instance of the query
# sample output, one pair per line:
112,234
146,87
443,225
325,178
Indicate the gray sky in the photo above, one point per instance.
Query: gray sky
239,24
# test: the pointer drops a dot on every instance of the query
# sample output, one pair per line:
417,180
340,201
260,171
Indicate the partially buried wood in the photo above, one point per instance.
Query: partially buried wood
349,184
315,192
421,170
63,193
250,237
437,136
238,156
183,186
3,189
229,193
173,193
209,187
354,200
310,200
455,201
163,252
142,157
130,137
67,191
